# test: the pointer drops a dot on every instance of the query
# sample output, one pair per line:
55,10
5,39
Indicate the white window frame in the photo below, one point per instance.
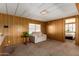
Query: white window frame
35,27
71,22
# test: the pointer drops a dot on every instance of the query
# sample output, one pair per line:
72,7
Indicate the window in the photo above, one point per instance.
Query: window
70,28
34,28
70,25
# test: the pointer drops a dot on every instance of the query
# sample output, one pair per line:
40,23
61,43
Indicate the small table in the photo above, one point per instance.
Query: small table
26,40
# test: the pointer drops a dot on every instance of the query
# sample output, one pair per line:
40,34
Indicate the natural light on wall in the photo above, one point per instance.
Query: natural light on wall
71,20
19,29
51,29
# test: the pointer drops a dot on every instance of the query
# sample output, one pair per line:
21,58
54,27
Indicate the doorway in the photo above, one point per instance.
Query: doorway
70,30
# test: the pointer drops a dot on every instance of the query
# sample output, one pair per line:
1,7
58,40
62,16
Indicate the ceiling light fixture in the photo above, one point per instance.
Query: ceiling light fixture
44,12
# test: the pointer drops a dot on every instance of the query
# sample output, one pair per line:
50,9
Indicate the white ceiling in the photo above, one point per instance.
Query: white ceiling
32,10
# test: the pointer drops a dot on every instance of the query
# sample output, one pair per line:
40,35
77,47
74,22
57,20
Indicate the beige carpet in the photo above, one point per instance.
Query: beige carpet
47,48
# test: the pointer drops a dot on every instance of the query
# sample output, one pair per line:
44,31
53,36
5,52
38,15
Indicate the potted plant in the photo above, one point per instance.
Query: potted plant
25,36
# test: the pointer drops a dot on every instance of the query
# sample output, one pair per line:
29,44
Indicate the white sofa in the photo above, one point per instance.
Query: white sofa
38,37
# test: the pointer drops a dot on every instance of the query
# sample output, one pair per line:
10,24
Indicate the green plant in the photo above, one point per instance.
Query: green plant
25,34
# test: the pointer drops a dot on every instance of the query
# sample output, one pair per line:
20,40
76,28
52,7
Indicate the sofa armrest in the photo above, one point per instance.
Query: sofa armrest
32,38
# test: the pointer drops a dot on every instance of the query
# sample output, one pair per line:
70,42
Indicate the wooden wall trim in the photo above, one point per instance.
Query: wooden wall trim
64,18
77,6
21,17
77,31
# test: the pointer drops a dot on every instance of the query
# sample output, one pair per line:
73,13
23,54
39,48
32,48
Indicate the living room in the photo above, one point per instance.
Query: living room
33,29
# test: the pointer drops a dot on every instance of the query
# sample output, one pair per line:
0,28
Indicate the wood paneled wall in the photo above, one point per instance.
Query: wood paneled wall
77,30
16,25
55,30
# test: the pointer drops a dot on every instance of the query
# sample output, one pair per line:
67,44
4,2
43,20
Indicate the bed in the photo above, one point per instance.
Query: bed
70,36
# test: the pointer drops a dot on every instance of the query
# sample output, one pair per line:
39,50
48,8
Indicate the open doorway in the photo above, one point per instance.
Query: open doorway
70,30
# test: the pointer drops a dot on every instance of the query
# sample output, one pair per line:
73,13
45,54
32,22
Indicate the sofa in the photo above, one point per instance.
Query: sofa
38,37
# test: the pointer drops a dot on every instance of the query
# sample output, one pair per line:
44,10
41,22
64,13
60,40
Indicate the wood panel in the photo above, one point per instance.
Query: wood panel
77,26
77,30
16,25
77,6
55,30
